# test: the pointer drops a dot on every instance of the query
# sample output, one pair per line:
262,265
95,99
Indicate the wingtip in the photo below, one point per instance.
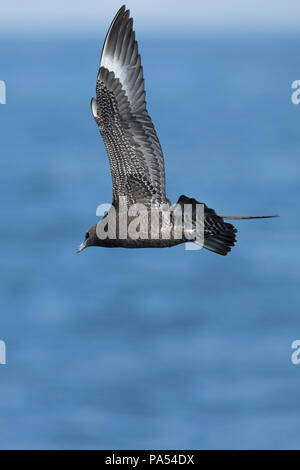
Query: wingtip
120,17
120,12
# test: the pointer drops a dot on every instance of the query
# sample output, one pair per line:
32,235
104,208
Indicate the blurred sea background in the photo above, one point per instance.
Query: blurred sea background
166,349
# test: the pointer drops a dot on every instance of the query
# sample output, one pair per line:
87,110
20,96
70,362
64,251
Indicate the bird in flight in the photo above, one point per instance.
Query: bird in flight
137,162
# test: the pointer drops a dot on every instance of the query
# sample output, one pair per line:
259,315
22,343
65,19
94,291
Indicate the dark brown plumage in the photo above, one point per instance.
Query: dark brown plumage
135,155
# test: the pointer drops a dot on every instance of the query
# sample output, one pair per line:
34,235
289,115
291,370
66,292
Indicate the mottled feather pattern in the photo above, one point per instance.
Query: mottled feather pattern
120,112
136,158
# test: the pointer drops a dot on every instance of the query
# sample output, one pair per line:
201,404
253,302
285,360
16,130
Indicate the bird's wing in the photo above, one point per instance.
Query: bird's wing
135,154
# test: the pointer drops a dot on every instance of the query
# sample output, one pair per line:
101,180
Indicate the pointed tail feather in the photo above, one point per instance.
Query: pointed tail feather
246,217
219,236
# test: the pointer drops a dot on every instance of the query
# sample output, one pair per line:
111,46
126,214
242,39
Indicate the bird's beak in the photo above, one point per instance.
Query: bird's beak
81,247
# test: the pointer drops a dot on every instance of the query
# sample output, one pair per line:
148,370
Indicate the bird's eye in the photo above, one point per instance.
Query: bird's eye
87,235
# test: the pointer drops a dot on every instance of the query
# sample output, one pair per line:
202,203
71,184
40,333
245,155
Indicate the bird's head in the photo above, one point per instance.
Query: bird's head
90,239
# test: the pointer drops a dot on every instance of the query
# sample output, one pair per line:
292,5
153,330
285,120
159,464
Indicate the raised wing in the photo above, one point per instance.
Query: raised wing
135,154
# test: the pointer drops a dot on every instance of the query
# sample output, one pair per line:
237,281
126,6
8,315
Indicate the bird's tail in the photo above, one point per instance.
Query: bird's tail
219,236
246,217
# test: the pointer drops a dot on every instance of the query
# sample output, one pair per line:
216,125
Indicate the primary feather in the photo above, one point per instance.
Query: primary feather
135,154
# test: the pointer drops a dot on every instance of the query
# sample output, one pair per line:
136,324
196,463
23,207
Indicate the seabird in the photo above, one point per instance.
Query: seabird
137,162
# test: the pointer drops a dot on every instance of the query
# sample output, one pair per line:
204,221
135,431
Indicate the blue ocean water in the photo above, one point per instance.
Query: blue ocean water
150,348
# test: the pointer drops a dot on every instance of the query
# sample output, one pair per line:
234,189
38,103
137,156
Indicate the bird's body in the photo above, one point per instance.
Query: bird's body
137,162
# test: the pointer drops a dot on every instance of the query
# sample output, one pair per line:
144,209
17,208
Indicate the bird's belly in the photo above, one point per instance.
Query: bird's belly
140,243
